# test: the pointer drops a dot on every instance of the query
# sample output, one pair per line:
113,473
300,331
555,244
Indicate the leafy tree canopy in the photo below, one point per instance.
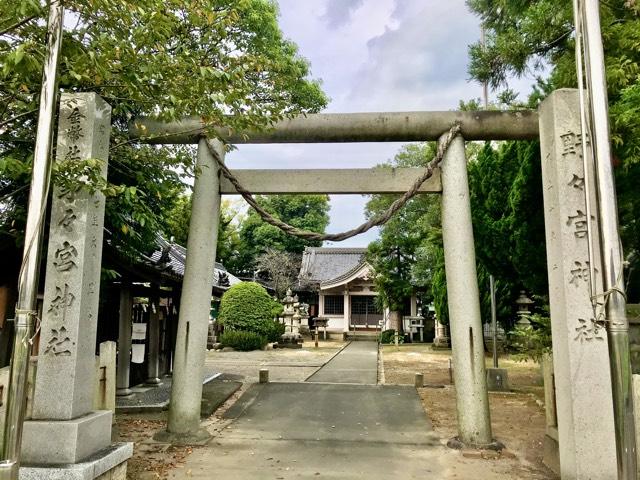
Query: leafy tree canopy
538,35
228,247
223,60
525,36
310,212
407,257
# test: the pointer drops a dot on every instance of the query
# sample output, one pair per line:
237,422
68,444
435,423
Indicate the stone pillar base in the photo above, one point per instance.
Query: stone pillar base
442,343
108,464
551,450
59,442
199,437
153,382
124,392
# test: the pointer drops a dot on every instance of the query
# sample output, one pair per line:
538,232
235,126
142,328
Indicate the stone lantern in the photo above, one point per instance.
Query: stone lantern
524,303
291,338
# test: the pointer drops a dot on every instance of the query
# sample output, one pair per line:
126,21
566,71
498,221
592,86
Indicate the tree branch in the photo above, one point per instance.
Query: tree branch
12,119
17,25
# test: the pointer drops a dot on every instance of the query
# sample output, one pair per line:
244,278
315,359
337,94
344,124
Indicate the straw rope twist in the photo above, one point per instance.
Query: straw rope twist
375,221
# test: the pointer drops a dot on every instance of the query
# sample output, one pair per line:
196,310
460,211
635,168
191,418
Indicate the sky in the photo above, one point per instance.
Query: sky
373,55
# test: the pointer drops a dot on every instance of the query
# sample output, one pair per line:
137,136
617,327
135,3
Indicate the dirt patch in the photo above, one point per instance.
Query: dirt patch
149,461
517,418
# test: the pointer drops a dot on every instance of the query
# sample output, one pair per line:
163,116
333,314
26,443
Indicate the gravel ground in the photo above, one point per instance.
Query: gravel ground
517,418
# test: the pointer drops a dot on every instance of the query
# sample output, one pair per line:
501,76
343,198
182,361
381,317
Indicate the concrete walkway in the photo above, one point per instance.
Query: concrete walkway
312,430
356,363
337,425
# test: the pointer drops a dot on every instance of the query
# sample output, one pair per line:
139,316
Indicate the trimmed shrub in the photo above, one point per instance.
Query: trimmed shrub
242,341
248,307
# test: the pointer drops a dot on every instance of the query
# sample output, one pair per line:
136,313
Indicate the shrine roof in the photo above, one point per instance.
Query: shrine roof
171,256
322,264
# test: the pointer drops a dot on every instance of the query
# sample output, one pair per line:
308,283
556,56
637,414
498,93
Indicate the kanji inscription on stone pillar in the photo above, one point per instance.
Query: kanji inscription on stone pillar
64,382
580,348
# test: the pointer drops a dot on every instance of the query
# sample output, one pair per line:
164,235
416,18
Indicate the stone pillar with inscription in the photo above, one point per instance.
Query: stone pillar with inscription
64,429
584,403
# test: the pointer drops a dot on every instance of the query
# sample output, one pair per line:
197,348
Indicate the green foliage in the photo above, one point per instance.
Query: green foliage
394,254
505,186
225,61
389,336
533,341
408,258
243,341
228,247
524,36
534,34
310,212
248,307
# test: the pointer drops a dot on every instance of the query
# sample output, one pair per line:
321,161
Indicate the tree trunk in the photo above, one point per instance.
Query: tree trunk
395,317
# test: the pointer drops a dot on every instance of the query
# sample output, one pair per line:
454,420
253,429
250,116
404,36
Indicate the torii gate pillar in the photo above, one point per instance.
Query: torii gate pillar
472,400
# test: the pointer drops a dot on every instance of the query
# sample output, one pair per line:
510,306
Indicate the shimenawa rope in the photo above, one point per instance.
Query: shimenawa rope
375,221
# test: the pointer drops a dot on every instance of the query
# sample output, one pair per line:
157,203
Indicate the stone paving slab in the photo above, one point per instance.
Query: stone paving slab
356,363
153,399
314,430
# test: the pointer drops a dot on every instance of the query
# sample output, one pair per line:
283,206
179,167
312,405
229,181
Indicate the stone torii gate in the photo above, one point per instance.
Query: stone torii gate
584,401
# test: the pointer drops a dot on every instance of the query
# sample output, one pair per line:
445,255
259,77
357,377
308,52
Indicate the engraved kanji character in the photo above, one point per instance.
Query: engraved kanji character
75,116
67,219
579,221
63,299
572,144
59,344
577,182
65,257
579,272
74,132
588,330
73,153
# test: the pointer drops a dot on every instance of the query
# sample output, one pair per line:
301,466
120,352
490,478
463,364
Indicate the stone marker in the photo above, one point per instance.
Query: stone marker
264,375
105,392
64,428
580,349
419,380
497,380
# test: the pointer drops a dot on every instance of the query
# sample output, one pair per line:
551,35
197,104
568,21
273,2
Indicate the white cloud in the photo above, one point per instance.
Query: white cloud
373,55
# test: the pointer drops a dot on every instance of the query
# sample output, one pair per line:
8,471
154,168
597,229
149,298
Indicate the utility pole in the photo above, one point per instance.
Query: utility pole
616,322
30,269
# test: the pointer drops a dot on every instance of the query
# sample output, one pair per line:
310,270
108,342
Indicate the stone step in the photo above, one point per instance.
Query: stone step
362,336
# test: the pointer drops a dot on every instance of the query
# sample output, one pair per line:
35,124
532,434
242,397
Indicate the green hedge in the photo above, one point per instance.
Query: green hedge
242,341
248,307
388,336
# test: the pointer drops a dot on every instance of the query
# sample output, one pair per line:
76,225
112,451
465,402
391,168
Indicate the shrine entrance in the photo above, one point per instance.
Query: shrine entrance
587,442
365,312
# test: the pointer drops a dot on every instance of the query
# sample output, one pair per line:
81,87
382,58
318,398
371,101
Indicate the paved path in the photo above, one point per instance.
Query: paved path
356,363
337,425
321,431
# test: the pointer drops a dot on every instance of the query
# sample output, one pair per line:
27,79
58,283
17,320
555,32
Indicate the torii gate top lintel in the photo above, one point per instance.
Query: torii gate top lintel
353,127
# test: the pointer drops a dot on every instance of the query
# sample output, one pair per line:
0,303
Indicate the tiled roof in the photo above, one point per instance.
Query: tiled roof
174,256
320,264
